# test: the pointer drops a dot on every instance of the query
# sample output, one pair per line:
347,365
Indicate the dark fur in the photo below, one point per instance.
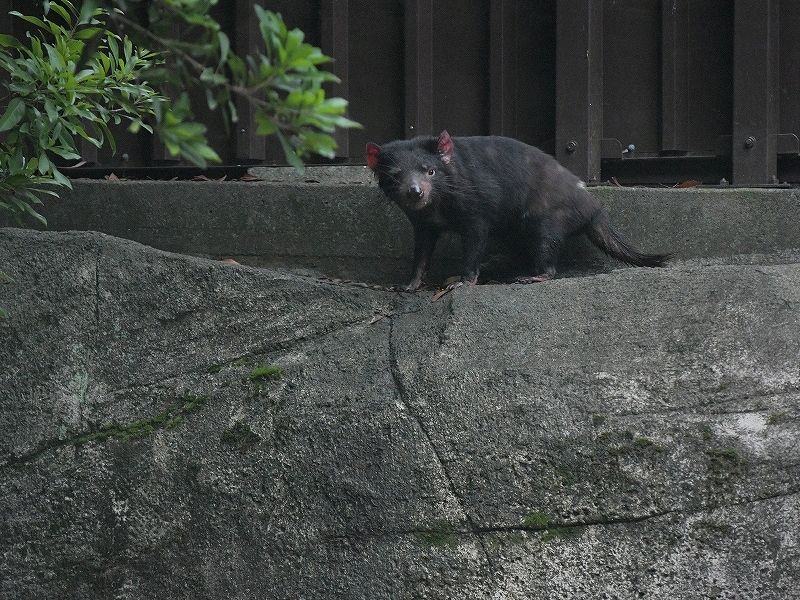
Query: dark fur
482,187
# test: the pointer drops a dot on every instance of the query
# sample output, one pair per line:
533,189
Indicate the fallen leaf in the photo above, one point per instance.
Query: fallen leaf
441,293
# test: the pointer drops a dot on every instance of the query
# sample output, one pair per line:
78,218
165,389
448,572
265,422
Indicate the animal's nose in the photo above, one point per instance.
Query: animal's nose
414,191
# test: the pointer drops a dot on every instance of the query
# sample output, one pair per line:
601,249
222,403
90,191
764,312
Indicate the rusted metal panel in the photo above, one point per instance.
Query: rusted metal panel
685,82
674,76
503,68
631,74
461,68
789,74
335,22
579,86
755,91
710,74
522,44
376,75
419,67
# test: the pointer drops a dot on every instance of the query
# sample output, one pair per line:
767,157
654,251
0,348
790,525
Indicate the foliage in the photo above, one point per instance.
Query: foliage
77,72
75,75
50,101
283,84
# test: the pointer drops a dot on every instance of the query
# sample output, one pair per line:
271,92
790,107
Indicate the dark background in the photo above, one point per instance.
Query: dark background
685,83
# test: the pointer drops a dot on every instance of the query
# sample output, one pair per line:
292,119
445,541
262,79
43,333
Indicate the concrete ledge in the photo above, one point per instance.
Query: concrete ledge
337,222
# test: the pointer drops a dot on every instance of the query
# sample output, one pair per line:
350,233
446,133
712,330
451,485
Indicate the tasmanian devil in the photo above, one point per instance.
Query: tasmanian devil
484,187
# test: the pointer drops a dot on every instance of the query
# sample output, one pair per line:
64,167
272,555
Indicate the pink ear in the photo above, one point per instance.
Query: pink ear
373,152
445,146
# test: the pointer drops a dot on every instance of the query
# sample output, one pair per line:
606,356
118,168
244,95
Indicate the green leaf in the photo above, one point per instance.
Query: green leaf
55,58
9,41
332,106
38,22
320,143
57,8
224,47
266,126
88,10
88,33
44,164
60,179
290,154
13,114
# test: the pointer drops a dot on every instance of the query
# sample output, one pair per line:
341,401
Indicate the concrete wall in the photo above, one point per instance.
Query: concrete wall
337,222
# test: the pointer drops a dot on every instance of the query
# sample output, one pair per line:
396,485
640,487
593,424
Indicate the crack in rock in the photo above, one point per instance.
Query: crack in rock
403,395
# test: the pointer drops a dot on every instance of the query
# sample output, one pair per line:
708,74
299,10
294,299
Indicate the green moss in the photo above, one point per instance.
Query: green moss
515,537
615,437
615,443
535,520
440,534
568,473
266,373
137,430
193,402
727,453
724,466
776,418
214,369
240,434
598,420
261,376
644,442
167,419
565,533
437,538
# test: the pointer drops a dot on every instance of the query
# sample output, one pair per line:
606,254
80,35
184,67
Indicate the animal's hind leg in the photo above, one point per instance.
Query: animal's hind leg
546,246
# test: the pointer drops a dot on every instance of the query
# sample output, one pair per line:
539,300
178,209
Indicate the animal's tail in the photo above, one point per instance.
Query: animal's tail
612,242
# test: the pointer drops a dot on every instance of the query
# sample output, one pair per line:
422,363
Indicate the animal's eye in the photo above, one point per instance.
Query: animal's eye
431,172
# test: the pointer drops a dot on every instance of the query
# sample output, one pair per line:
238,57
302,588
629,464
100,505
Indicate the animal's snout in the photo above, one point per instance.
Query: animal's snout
415,191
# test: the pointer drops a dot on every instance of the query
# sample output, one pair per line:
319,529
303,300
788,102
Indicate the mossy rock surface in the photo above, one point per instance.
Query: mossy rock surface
629,433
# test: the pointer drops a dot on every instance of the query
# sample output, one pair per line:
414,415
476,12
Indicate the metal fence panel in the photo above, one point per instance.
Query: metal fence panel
644,91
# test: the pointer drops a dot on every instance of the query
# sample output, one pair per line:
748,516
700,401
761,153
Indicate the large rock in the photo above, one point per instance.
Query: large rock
623,435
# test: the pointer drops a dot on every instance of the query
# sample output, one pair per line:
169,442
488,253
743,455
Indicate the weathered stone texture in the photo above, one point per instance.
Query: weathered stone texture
631,434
